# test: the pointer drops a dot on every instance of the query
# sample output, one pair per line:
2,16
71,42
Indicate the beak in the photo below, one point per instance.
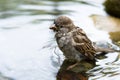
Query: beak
53,27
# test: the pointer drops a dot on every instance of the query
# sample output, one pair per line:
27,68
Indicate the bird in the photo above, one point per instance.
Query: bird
73,41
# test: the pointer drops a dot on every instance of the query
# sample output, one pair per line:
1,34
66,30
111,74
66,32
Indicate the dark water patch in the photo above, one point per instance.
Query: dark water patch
115,36
2,77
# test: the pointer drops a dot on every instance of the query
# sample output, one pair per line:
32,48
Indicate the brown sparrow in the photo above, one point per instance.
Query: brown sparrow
72,40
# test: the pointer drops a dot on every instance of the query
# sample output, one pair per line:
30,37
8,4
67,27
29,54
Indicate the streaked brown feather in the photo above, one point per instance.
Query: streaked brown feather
87,49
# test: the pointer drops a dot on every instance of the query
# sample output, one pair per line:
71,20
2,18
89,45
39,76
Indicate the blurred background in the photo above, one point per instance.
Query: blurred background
27,45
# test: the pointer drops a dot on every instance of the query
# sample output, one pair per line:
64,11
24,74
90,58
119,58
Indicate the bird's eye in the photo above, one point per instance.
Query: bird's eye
55,24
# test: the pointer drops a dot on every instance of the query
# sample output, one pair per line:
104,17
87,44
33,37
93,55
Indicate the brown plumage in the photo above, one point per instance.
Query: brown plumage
72,40
87,48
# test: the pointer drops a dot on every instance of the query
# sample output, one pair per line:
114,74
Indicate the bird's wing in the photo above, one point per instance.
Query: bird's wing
83,44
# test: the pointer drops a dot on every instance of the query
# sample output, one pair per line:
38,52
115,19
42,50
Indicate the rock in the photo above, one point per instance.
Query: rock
107,23
112,7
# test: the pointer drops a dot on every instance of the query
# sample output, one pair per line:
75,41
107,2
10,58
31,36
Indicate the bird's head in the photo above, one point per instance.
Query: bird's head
62,22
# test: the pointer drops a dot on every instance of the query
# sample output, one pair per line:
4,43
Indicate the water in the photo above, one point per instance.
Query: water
24,31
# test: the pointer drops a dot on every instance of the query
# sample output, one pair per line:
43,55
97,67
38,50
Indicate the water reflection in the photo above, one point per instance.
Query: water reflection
76,73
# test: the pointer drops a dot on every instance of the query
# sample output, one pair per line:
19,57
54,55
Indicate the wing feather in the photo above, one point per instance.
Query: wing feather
87,49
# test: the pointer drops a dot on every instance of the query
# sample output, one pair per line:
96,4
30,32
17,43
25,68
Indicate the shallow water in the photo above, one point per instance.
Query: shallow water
27,44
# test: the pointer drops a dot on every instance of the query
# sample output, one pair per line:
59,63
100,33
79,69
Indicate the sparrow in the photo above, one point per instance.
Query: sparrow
73,41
